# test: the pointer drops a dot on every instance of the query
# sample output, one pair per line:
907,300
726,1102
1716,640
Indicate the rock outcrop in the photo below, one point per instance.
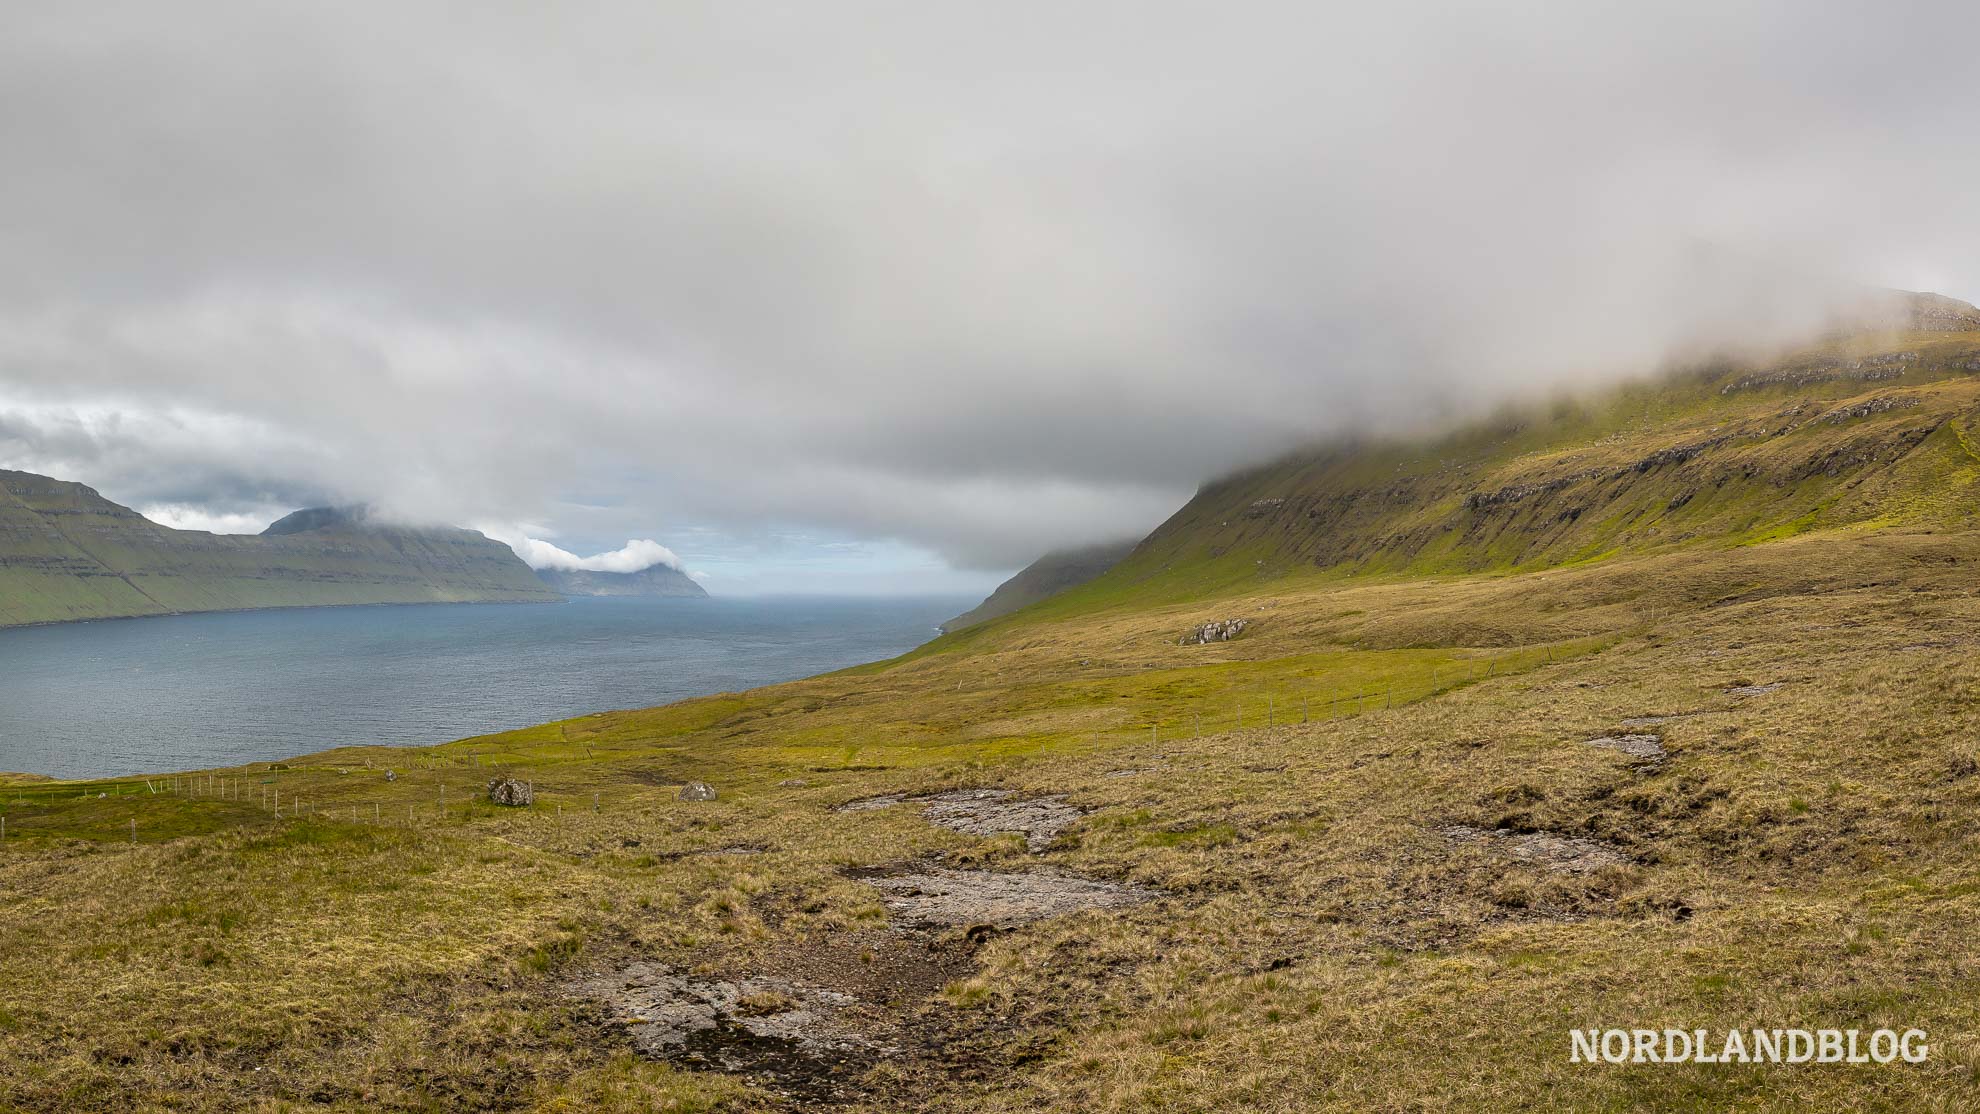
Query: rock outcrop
1217,630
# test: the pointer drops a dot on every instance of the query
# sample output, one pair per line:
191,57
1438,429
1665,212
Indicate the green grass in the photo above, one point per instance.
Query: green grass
1803,857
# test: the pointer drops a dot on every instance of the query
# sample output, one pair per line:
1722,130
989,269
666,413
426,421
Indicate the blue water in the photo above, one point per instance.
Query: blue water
194,691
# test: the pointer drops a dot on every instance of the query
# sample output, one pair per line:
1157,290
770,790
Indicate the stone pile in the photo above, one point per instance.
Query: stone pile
1217,630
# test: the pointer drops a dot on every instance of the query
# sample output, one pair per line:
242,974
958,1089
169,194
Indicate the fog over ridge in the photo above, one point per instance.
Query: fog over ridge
980,280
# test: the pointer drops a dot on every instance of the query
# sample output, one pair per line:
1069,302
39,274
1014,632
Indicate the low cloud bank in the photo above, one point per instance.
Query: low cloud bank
636,555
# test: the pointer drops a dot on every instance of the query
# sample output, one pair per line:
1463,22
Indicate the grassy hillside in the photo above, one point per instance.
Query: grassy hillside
67,553
1478,771
1046,577
1865,432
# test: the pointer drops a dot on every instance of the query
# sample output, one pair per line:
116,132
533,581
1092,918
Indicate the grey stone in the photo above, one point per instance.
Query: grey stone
512,793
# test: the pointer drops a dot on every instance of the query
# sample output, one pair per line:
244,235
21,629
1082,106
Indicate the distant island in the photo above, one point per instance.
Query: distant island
67,553
654,580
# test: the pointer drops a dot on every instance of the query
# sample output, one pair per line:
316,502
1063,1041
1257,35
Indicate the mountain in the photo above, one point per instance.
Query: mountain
654,580
68,553
1653,706
1873,429
1048,576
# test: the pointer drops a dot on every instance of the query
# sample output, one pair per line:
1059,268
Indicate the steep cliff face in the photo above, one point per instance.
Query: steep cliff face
657,580
68,553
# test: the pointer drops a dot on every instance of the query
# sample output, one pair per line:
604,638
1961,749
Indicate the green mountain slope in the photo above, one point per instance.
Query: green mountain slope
68,553
1046,577
1864,431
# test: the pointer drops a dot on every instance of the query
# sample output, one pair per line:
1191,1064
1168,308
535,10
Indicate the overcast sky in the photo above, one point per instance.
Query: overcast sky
894,296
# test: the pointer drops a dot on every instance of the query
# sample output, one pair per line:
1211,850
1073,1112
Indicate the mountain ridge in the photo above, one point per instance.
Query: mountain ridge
652,581
1868,429
67,554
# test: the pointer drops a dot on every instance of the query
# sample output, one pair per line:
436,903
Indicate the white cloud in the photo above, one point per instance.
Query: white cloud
182,517
635,555
977,283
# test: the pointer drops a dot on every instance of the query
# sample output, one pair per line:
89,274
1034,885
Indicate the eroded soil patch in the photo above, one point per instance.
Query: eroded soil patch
1650,747
988,812
961,898
1567,854
800,1039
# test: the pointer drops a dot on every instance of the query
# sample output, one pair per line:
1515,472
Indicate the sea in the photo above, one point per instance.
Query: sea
178,692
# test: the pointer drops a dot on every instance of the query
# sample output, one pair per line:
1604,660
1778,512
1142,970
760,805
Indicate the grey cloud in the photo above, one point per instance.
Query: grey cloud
985,278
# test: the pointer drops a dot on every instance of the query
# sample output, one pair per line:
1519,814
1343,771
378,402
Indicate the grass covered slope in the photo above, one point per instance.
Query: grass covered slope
67,553
1865,431
1046,577
1698,763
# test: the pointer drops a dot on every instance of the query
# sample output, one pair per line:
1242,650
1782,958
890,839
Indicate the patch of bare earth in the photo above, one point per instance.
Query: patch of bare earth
1650,747
1567,854
966,898
986,812
795,1038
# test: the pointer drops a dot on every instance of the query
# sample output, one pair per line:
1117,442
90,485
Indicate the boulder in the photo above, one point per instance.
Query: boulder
697,791
508,791
1215,631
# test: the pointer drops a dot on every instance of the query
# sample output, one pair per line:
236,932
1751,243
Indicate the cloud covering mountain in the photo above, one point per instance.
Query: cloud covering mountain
634,556
981,279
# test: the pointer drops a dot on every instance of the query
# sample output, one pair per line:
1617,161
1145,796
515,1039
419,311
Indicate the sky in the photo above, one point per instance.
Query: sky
893,297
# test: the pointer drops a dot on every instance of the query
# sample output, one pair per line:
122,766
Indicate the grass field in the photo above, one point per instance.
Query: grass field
1371,859
1803,857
